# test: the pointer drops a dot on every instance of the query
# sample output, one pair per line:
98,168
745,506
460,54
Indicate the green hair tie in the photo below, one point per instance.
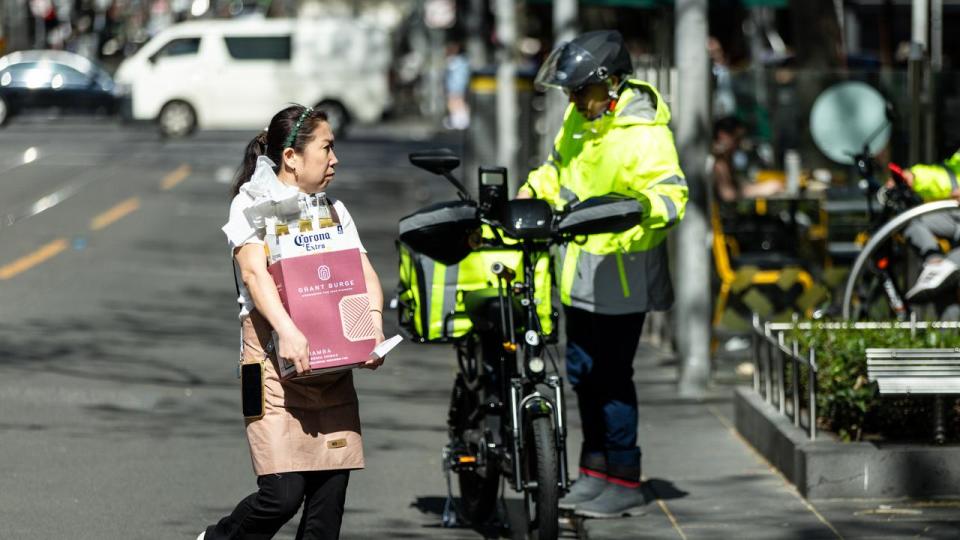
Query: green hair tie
296,128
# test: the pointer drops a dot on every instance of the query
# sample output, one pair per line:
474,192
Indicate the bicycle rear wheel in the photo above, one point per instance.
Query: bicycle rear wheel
479,485
478,496
542,501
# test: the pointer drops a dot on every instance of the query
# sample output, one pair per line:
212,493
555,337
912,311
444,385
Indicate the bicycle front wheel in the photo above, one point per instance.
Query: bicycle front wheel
543,497
864,296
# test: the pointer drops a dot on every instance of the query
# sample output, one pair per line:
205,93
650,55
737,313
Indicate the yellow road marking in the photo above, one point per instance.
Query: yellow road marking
790,487
29,261
175,177
115,213
672,518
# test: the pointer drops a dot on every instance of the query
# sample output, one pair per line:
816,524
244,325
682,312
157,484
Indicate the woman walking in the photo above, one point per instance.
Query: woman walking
308,440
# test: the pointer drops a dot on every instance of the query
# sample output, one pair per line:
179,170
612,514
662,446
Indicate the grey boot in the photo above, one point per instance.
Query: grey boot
586,488
615,501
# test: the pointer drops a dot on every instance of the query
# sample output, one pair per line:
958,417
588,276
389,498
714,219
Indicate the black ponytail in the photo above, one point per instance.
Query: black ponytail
270,141
255,148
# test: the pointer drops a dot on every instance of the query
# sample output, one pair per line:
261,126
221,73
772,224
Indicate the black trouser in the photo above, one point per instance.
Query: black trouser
600,351
260,516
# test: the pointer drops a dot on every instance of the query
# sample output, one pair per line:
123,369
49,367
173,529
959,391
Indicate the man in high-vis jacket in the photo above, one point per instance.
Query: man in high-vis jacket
614,139
935,182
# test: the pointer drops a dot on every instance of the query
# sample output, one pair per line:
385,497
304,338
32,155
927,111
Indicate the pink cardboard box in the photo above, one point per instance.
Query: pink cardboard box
326,296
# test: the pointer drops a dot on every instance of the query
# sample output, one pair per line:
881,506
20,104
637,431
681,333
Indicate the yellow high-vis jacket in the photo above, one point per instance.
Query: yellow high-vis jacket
938,181
629,151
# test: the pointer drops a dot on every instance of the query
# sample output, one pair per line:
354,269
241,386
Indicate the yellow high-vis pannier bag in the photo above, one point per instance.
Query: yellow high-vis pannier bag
430,295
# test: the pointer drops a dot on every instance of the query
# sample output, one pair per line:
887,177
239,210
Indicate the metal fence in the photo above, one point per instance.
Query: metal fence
770,357
772,354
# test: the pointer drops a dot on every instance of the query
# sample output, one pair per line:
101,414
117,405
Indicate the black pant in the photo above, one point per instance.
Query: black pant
600,351
260,516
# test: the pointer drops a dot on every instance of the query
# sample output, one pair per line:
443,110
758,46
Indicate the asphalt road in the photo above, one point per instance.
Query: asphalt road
118,337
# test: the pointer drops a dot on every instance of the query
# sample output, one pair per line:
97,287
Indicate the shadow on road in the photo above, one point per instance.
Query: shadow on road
662,490
434,506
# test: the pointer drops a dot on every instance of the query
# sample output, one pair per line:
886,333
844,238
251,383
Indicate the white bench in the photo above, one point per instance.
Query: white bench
918,371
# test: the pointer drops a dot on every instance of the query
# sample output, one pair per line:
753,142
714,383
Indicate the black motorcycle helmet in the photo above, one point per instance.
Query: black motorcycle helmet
589,58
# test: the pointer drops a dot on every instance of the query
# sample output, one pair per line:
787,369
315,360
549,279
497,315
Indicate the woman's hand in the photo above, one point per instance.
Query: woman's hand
293,345
374,363
294,348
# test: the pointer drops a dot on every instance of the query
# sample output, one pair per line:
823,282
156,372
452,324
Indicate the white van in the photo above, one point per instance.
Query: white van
238,73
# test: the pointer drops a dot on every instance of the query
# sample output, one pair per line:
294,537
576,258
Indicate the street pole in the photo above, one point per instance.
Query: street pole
692,312
915,74
934,66
564,30
475,44
507,90
936,35
437,105
756,27
838,8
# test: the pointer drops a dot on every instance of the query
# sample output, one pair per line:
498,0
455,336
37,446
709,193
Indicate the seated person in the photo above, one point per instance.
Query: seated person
935,182
728,133
754,233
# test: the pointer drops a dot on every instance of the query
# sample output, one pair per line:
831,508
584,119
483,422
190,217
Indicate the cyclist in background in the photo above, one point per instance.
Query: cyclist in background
614,139
940,271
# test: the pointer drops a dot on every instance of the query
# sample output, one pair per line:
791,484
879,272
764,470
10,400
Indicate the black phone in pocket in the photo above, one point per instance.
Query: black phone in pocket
251,390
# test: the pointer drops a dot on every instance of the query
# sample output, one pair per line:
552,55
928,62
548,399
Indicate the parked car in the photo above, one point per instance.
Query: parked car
237,73
67,82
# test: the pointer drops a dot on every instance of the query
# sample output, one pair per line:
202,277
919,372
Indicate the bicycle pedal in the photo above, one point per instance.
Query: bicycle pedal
464,462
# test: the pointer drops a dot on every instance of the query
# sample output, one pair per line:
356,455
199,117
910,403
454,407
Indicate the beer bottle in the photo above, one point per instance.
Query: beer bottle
306,220
281,228
260,226
324,213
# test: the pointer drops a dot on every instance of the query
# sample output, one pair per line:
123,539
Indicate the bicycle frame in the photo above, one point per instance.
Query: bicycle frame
534,403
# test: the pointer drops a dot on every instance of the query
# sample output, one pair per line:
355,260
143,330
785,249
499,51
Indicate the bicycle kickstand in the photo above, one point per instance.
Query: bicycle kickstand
449,518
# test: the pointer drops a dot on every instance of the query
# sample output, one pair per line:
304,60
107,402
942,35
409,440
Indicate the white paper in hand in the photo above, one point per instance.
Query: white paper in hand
385,346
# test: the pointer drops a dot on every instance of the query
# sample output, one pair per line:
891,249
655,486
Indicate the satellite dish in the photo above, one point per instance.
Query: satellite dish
847,116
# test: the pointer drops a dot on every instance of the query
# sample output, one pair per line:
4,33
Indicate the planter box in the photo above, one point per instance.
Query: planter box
830,469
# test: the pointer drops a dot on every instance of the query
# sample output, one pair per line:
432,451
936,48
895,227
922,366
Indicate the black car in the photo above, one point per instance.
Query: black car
58,80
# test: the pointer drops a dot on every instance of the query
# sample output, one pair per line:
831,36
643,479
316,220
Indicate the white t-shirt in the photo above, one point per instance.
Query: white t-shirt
240,231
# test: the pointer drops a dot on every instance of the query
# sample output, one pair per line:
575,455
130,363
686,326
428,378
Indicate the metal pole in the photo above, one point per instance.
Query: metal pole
19,38
507,90
475,45
918,51
812,389
564,29
795,377
936,35
437,105
40,34
693,136
838,9
768,390
755,29
932,69
939,419
781,371
755,349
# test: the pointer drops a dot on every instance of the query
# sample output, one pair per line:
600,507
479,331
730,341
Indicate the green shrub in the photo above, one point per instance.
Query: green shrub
847,403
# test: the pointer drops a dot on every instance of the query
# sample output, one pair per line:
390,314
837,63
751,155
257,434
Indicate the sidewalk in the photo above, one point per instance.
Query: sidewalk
708,483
